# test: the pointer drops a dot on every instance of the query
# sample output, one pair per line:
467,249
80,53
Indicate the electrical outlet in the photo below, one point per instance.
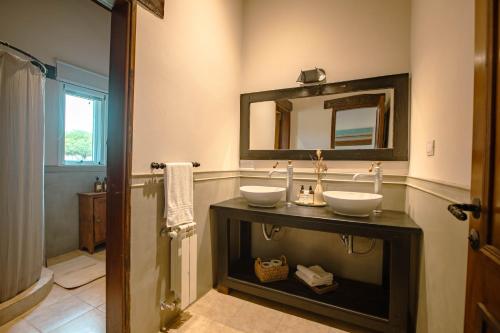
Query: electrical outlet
430,147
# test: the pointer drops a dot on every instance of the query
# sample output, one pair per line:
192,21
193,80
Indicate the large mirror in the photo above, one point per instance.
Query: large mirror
361,119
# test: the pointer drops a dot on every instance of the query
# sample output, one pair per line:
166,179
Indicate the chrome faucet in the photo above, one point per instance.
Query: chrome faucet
375,172
289,180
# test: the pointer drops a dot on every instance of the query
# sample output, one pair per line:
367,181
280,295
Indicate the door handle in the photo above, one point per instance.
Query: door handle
458,210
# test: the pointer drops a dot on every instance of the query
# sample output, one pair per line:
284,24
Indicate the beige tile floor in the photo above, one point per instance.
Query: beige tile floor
83,310
241,313
79,310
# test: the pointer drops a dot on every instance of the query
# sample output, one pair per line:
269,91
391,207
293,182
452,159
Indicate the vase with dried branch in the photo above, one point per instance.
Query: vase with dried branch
320,169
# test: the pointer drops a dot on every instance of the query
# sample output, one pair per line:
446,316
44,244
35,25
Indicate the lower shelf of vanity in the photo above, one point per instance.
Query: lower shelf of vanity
360,298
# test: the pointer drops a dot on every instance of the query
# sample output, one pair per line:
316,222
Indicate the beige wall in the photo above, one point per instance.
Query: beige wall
442,62
186,108
442,47
262,125
310,124
443,258
349,39
150,253
183,114
187,85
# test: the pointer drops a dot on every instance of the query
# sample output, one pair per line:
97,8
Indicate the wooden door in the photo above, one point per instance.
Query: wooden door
99,220
482,312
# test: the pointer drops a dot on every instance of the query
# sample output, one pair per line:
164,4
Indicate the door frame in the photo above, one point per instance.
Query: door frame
119,158
119,164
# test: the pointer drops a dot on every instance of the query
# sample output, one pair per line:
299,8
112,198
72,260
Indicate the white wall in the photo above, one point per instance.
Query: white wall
70,30
349,39
75,31
186,108
442,61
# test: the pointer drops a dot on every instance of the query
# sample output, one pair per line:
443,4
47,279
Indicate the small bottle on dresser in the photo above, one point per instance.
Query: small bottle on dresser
97,185
105,184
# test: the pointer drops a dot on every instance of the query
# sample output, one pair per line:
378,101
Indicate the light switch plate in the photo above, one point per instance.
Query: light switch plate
430,147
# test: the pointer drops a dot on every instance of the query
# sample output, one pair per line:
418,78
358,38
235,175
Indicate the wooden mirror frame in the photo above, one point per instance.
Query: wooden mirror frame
399,152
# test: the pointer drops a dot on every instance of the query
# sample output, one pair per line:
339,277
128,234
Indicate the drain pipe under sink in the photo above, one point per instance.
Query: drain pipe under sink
269,236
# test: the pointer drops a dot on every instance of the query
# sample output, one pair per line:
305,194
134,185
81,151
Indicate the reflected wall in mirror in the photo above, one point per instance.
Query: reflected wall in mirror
359,119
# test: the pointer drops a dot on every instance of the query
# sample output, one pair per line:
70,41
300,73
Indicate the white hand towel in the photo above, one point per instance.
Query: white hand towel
178,182
312,282
307,272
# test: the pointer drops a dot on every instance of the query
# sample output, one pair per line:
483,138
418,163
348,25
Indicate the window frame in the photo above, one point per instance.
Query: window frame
100,125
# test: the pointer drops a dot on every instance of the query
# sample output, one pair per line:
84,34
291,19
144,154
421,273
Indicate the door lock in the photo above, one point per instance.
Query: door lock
458,210
474,239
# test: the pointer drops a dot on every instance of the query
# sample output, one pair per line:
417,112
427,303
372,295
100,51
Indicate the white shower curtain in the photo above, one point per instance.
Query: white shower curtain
21,174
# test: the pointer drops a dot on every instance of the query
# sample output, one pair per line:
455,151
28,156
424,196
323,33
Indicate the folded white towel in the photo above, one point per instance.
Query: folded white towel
313,282
321,272
308,272
178,183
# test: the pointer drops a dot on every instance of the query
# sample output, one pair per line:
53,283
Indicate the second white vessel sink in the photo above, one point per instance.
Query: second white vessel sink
352,203
262,196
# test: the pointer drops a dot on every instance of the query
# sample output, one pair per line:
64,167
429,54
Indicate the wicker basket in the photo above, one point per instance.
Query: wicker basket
273,273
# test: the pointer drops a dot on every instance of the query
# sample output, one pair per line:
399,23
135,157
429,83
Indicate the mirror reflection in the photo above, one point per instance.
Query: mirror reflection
354,120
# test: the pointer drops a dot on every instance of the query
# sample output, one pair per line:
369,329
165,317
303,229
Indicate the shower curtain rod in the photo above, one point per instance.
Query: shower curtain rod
34,60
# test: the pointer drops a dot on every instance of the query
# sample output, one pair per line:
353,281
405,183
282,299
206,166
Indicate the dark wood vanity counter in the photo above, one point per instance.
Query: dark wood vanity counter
323,219
389,307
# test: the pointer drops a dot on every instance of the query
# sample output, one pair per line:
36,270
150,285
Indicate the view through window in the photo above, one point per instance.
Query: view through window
84,127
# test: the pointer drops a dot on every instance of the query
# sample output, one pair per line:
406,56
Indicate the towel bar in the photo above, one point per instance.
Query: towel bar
156,165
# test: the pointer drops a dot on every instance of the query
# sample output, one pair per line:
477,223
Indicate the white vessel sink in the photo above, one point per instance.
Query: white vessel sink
262,196
352,203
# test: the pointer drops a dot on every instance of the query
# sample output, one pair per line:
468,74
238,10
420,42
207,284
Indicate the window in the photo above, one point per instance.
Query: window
84,120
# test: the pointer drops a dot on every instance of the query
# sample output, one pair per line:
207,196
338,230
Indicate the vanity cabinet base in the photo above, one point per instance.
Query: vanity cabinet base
388,307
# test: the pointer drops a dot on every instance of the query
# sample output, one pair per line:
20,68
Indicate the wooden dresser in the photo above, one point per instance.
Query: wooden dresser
92,211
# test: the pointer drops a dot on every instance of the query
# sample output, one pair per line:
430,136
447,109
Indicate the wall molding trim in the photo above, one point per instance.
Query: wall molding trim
441,182
453,193
450,192
151,179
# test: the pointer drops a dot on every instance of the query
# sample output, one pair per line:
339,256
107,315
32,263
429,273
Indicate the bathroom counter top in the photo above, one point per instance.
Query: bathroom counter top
320,218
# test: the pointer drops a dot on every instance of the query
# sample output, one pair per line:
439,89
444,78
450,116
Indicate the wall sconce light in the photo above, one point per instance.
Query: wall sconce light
312,76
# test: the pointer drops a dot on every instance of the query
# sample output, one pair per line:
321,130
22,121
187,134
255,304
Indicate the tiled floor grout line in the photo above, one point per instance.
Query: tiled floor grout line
77,317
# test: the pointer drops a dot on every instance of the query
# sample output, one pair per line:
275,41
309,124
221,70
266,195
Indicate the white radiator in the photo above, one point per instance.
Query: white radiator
183,264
